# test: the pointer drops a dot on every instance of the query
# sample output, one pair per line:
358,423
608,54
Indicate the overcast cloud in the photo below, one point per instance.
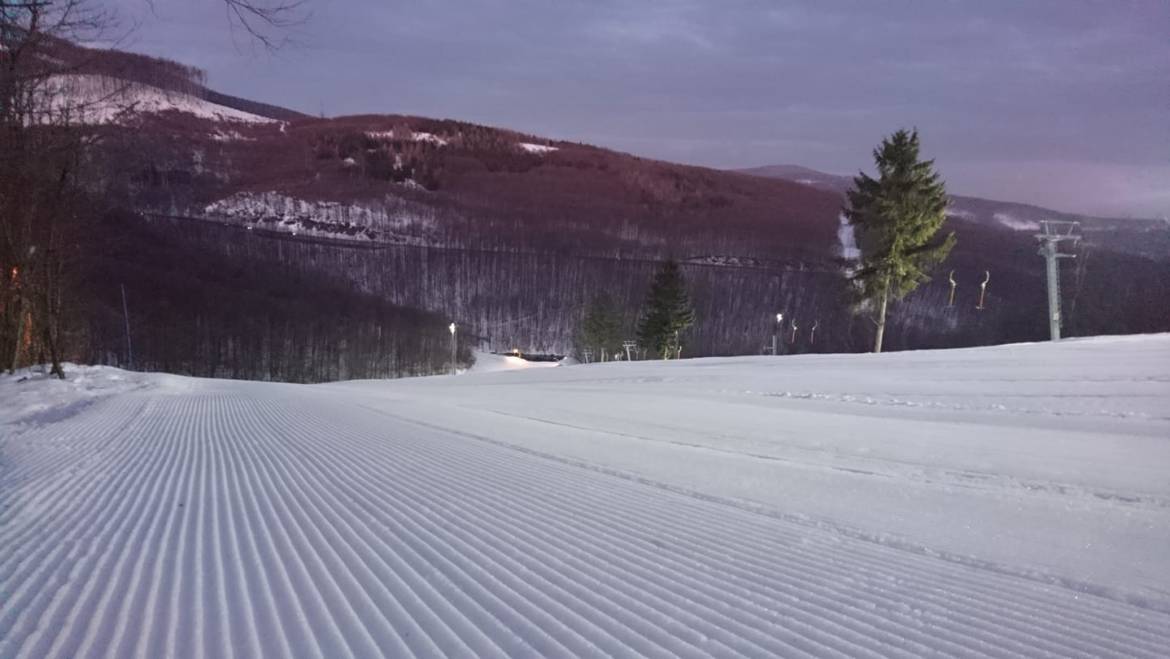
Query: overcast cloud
1063,103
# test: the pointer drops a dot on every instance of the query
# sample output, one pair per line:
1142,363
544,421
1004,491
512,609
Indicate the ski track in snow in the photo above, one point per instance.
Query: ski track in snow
247,519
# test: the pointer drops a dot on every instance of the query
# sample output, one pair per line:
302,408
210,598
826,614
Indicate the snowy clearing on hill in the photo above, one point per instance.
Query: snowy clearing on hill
388,222
538,148
417,136
1014,223
96,99
1006,501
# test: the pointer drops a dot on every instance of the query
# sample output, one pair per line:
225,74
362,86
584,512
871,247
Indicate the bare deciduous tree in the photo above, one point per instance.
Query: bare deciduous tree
45,147
42,148
266,21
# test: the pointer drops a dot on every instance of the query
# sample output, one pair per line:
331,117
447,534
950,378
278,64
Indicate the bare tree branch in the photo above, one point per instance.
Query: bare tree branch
266,21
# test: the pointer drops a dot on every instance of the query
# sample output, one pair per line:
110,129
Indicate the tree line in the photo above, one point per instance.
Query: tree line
666,315
45,183
896,218
193,311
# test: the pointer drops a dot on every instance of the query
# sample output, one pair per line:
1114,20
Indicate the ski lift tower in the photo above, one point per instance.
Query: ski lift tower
1052,234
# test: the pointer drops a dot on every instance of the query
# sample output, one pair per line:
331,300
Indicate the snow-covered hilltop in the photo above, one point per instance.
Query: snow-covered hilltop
992,502
97,99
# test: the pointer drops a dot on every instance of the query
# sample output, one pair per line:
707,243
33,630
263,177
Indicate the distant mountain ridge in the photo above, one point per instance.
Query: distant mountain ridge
1144,237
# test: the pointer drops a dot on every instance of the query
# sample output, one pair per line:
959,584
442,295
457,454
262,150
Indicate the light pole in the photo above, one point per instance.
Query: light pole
452,328
775,330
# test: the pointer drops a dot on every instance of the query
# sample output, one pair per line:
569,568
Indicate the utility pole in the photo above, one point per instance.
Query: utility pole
452,328
1054,232
629,345
126,319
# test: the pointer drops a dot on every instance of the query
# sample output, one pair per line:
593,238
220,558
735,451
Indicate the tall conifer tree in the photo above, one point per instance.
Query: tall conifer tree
896,218
601,328
667,312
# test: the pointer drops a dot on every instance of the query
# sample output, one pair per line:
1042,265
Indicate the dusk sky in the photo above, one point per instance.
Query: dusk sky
1062,103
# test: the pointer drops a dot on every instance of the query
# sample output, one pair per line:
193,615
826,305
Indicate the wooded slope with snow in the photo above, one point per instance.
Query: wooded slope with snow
214,227
1007,501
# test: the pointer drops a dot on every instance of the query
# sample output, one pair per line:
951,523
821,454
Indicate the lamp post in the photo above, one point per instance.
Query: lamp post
452,328
775,330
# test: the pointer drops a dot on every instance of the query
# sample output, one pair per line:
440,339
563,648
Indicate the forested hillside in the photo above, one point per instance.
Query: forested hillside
255,242
195,309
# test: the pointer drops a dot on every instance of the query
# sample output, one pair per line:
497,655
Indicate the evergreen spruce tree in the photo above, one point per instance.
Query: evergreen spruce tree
601,328
896,218
667,312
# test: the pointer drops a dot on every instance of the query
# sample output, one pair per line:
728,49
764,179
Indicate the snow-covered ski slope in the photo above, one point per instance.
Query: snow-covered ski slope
1008,501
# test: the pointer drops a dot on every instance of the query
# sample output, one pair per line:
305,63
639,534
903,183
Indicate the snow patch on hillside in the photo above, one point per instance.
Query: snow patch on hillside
95,99
272,211
847,239
537,148
230,136
1014,223
428,137
416,136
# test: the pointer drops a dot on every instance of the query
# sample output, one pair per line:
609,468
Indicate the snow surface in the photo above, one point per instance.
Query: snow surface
1008,501
32,397
847,239
99,99
488,362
